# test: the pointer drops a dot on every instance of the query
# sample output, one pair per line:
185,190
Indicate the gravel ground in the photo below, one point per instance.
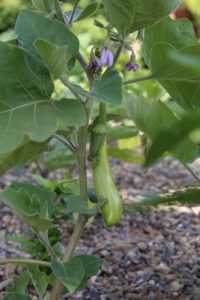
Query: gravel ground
152,255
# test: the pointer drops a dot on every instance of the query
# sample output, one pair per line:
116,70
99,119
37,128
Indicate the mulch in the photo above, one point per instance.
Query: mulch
151,255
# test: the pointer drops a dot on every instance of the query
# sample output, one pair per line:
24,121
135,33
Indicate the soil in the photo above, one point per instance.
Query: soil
151,255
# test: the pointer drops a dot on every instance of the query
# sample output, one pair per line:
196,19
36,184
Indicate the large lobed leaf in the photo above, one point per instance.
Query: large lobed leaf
26,108
177,37
131,15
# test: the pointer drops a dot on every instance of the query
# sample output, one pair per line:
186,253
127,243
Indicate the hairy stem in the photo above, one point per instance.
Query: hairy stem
65,142
19,261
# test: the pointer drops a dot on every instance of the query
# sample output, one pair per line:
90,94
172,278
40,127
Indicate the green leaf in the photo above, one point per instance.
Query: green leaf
91,265
131,15
185,196
168,138
26,107
126,155
56,58
178,33
70,273
152,117
39,279
35,190
31,209
189,62
16,296
76,205
176,37
108,89
30,26
75,272
88,11
183,86
22,153
20,284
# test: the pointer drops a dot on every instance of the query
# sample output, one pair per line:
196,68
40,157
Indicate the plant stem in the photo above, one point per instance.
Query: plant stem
117,54
191,172
73,12
82,220
59,11
19,261
65,81
138,79
102,113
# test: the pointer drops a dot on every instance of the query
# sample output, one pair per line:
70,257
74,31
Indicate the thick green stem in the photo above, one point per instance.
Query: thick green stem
21,261
102,113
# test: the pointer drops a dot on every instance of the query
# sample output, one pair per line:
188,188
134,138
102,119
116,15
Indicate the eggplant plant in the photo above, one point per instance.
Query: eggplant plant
47,50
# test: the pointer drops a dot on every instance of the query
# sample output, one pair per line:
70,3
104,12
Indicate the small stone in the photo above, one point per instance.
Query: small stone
175,286
142,246
162,267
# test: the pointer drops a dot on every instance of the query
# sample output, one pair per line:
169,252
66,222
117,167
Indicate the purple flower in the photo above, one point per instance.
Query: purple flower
106,59
94,65
131,66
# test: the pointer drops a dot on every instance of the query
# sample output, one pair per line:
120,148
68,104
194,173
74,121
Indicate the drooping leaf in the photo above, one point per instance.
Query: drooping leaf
21,154
70,273
56,58
20,284
185,196
76,205
168,138
153,117
31,25
131,15
39,279
178,33
32,210
26,108
108,89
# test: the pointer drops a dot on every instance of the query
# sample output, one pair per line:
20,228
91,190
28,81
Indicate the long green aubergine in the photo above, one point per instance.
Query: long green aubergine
105,188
